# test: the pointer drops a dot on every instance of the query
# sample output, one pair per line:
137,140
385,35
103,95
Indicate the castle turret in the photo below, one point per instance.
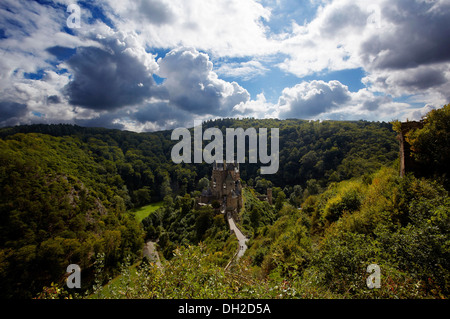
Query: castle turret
225,184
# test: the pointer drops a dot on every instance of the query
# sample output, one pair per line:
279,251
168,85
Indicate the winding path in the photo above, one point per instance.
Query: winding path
240,236
151,253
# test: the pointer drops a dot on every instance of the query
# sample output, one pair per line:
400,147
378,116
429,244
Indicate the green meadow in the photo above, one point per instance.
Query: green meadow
144,211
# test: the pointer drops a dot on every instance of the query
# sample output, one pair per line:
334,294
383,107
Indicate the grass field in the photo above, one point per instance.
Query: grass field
144,211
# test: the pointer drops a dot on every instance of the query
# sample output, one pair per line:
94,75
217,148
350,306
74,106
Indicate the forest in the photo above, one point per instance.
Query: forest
339,204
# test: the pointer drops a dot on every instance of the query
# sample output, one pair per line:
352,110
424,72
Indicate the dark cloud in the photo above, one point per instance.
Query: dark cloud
344,18
163,114
374,103
155,12
419,36
106,120
159,111
53,99
107,79
422,78
411,81
9,111
110,79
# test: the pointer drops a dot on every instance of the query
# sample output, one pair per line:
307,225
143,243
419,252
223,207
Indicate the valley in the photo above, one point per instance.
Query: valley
103,199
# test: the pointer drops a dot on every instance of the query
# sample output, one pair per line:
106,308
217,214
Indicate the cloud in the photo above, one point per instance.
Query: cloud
103,73
421,78
395,34
402,45
245,70
29,73
410,81
110,77
155,12
335,19
31,28
418,35
333,101
10,112
163,114
330,41
213,26
106,120
309,99
190,90
412,56
193,86
53,99
259,108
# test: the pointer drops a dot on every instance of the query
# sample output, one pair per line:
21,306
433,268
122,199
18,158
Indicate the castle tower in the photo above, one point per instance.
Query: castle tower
225,185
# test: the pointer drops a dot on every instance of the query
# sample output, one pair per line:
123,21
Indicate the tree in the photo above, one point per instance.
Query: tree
255,216
296,197
204,220
281,197
312,187
430,145
216,204
142,196
165,188
203,183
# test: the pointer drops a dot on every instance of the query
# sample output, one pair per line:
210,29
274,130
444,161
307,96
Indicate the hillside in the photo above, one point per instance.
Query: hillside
68,193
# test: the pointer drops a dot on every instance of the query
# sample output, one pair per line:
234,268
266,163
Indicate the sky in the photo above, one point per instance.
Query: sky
146,65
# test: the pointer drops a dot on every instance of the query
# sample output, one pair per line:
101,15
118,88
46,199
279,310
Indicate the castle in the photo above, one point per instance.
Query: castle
225,187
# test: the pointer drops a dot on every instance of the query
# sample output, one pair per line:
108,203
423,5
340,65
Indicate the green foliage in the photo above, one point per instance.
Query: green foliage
344,198
145,211
255,213
281,197
283,246
262,185
180,223
203,183
401,224
338,207
430,145
191,275
396,226
141,167
327,151
56,210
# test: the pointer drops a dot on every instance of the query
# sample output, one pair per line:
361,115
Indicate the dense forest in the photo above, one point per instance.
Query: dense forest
68,193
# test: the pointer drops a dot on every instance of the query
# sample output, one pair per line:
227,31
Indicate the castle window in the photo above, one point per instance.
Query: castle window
224,185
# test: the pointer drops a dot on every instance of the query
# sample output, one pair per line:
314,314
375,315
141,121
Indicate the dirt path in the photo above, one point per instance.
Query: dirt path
151,253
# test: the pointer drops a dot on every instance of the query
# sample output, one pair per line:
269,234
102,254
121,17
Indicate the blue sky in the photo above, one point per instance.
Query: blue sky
146,65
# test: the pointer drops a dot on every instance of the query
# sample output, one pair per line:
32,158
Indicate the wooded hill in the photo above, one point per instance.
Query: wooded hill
67,192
